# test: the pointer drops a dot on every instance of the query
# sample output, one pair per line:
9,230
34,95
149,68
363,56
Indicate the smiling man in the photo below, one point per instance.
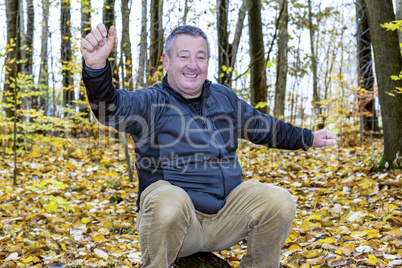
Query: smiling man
186,60
191,196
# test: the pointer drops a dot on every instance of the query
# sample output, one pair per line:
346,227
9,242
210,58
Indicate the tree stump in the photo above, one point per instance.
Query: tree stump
201,260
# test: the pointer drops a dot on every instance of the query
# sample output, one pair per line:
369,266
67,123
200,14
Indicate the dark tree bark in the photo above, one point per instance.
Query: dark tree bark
388,61
258,85
398,7
156,39
228,51
66,55
126,45
365,66
282,62
108,21
27,67
126,74
142,77
28,42
85,30
11,67
43,84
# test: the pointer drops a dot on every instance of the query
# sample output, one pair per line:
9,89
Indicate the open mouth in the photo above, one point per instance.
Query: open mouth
190,75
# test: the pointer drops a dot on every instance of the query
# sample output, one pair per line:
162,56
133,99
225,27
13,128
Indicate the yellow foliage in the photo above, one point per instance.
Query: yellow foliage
58,174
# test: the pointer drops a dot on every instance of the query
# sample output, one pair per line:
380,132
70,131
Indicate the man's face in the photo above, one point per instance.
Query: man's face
188,65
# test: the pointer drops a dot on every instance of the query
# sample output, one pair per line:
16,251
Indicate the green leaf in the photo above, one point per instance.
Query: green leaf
33,189
261,105
51,207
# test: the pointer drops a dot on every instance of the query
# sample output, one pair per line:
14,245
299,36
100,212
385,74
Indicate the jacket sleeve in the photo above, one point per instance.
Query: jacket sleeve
267,130
123,110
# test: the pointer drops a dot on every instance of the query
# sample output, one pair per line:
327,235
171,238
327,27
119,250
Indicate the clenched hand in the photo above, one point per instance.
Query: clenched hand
323,138
97,45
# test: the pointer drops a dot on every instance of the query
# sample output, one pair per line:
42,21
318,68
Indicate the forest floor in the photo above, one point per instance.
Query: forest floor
73,206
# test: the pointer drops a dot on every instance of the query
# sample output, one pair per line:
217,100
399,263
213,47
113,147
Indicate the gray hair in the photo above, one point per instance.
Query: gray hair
185,29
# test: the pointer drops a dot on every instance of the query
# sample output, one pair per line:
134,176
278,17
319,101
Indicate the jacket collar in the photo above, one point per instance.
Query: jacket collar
206,89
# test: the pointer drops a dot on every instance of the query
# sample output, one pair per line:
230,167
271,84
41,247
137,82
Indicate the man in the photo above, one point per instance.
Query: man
191,196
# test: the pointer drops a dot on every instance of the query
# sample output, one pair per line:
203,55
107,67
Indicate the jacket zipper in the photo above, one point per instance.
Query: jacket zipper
219,151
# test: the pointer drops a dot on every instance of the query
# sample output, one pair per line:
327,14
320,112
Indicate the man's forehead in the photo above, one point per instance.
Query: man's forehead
189,51
182,37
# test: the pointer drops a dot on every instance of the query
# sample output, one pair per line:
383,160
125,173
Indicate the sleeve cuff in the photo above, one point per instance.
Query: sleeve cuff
307,139
95,72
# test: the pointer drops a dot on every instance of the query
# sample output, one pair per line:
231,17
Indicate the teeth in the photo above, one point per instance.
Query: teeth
190,75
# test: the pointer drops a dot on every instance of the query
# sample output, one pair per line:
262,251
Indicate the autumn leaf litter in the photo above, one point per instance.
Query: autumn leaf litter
75,207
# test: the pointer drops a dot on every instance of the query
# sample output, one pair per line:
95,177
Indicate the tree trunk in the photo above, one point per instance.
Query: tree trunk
228,51
185,12
398,5
28,44
66,55
142,77
156,39
85,30
388,61
223,39
11,67
282,62
365,67
258,85
126,45
108,21
316,93
28,38
43,84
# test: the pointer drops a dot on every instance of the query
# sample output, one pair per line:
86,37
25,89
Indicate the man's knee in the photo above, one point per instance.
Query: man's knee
275,199
286,204
168,202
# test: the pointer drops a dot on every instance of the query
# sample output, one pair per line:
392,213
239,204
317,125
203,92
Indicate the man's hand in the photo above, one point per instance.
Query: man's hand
97,45
324,137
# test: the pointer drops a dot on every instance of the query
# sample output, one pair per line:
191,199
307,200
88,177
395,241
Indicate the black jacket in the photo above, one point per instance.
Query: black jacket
196,152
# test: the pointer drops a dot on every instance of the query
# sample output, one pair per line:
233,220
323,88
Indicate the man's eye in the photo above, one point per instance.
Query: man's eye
183,57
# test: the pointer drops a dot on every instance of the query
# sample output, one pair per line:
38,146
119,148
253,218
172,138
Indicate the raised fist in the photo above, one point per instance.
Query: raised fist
97,45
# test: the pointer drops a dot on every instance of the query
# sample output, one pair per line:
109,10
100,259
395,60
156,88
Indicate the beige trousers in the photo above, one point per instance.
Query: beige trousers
170,227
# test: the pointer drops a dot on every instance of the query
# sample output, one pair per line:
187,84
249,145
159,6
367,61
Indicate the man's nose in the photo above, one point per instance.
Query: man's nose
192,64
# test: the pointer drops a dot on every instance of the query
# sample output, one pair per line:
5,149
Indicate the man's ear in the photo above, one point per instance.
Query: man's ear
165,61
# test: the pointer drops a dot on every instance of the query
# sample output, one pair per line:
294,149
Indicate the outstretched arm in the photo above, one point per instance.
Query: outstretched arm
97,45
